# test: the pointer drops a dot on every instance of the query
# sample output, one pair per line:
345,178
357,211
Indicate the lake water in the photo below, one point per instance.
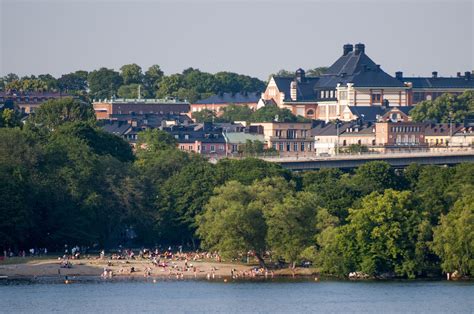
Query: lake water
279,296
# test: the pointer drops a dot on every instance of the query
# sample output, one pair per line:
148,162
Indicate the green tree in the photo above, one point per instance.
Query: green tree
18,213
103,83
250,148
291,226
333,190
181,198
445,108
153,140
453,239
152,79
76,81
376,176
236,113
10,118
101,142
131,74
129,91
381,235
169,86
247,170
55,112
270,113
205,115
232,223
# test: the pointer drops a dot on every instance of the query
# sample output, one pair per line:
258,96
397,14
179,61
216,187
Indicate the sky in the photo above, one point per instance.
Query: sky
256,37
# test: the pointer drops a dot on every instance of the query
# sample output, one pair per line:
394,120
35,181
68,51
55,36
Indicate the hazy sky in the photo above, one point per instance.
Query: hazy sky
250,37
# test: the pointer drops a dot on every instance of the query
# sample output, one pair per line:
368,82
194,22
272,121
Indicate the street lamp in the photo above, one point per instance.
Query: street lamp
337,134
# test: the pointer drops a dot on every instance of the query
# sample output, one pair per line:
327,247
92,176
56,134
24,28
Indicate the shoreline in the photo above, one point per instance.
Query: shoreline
175,269
93,269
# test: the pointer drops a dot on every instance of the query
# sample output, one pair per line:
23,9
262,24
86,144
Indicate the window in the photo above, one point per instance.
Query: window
376,98
281,147
203,148
186,136
295,147
234,147
344,143
310,112
190,147
221,147
302,146
213,148
288,147
274,146
418,96
182,147
291,134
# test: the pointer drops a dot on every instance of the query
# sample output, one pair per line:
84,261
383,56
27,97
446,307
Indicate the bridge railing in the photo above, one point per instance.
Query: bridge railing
435,151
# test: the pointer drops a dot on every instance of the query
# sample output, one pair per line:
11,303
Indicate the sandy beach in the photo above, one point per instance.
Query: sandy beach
121,268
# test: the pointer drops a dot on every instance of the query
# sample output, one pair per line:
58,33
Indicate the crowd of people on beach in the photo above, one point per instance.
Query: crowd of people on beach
173,263
163,261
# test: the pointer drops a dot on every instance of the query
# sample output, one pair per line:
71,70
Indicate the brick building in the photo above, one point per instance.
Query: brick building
106,108
400,134
28,102
205,139
289,139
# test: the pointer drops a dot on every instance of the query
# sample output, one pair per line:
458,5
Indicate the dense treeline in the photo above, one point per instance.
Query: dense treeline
191,84
234,113
65,181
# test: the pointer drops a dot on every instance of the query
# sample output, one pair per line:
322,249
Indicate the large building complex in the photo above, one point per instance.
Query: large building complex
356,80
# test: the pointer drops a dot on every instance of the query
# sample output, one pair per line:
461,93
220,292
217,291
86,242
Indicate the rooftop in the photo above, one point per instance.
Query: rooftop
228,98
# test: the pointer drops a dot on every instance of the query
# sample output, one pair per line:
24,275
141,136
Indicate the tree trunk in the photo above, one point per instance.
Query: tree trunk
260,260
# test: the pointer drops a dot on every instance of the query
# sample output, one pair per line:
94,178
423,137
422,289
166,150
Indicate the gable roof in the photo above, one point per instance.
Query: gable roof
357,68
304,89
229,98
352,67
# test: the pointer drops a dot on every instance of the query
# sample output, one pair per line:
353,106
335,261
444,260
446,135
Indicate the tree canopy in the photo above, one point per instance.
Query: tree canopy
445,108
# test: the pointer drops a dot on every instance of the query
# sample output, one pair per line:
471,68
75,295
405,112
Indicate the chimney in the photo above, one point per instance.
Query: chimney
346,49
458,74
293,90
467,75
359,48
399,75
300,75
434,74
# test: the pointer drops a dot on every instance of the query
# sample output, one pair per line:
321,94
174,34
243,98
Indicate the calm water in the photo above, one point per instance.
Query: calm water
133,296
